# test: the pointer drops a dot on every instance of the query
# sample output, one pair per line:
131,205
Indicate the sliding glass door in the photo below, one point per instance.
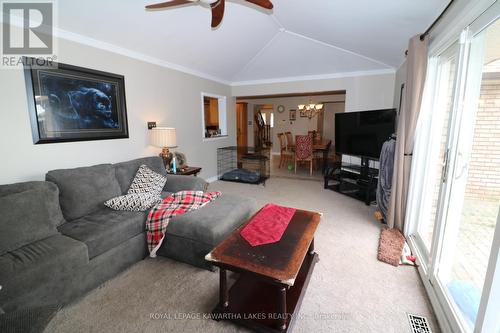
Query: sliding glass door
474,194
439,132
457,172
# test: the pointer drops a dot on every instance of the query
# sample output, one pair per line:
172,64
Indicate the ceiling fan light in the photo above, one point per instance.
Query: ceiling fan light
319,106
312,106
301,107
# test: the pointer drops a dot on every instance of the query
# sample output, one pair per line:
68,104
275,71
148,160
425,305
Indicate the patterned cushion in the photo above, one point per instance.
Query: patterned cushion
147,181
133,202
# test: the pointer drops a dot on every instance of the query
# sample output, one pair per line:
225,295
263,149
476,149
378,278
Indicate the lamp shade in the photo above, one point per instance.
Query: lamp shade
163,137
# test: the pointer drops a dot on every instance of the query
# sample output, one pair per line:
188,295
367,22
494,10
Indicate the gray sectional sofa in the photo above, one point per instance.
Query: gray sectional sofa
58,240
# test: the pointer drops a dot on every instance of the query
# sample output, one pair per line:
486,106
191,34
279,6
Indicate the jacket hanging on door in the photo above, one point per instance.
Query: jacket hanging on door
386,169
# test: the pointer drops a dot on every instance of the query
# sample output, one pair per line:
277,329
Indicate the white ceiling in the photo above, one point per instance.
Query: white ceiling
298,38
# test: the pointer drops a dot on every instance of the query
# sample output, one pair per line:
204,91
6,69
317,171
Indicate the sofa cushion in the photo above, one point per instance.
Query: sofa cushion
50,193
135,202
26,217
191,236
125,171
214,221
105,229
30,273
147,181
84,190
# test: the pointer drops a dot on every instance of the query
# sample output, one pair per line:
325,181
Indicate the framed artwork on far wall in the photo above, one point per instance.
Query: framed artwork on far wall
69,103
293,115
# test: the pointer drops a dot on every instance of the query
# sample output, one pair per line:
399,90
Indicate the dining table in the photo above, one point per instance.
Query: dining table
322,145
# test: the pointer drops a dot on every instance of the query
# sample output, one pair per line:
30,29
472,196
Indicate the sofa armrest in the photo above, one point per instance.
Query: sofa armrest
176,183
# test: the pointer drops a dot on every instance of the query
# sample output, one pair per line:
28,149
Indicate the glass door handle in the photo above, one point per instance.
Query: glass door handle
444,171
464,166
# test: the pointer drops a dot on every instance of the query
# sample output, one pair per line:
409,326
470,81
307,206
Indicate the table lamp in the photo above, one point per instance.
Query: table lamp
165,138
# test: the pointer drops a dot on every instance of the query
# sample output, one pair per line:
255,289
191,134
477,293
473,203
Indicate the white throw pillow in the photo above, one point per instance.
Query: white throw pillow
133,202
147,181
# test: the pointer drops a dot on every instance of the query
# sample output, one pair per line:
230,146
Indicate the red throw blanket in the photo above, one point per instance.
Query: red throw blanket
176,204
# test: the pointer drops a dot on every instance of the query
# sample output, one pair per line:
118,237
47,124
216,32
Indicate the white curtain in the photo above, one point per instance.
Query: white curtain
407,123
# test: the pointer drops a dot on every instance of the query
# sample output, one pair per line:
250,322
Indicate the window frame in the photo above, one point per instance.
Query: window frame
222,101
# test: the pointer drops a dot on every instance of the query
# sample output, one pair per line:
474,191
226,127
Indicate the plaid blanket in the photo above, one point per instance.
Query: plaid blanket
176,204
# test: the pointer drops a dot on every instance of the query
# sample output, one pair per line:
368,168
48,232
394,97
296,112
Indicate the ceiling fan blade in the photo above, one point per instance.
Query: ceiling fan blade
217,12
169,4
262,3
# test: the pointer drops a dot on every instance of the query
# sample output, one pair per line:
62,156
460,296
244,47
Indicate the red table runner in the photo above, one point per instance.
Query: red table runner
268,225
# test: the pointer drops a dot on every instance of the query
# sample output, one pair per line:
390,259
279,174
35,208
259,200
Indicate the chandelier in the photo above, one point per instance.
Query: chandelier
310,110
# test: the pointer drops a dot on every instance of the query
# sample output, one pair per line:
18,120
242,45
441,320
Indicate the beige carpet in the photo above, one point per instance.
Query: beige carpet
350,290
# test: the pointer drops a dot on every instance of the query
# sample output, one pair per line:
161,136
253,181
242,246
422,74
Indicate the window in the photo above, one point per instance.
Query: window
214,115
268,116
454,202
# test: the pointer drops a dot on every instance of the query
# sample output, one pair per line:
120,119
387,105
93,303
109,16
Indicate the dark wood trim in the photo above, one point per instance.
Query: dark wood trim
248,296
284,258
223,294
299,94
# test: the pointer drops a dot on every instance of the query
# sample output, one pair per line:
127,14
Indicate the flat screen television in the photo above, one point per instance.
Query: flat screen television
363,133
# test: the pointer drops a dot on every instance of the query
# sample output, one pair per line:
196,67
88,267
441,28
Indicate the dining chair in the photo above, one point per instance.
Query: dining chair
304,151
285,154
289,141
317,136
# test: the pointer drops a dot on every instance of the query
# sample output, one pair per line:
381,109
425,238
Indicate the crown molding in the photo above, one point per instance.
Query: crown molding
315,77
98,44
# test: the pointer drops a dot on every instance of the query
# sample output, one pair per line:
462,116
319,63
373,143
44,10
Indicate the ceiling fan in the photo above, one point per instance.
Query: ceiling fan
217,6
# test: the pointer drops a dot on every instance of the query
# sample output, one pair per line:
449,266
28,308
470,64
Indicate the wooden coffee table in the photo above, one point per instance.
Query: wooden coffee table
273,277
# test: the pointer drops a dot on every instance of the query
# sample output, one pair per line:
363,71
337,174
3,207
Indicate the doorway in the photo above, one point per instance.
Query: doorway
241,124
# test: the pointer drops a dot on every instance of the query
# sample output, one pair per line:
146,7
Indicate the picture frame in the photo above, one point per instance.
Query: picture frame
293,115
68,103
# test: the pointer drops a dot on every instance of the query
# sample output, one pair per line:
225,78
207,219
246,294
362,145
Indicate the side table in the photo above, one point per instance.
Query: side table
186,171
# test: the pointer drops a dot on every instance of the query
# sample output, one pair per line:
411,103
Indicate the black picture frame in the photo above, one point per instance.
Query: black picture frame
67,103
293,115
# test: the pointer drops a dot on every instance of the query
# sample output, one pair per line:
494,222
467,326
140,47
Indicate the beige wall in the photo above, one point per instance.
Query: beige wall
153,93
366,92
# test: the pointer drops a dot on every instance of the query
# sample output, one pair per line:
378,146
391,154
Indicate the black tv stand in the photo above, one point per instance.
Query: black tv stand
355,180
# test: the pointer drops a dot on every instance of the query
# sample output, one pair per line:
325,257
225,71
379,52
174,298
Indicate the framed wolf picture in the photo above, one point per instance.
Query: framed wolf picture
69,103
